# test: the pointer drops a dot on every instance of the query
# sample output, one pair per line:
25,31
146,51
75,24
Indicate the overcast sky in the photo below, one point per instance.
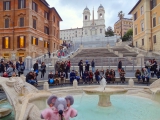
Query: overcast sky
71,10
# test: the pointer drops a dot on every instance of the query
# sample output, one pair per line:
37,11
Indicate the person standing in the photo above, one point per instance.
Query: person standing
119,66
21,68
43,69
80,64
93,66
35,67
87,66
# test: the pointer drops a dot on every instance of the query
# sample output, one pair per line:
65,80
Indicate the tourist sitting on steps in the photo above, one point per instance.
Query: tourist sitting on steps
101,72
30,79
77,76
51,78
107,75
72,76
145,75
85,77
90,76
122,75
62,77
56,78
97,76
138,74
112,75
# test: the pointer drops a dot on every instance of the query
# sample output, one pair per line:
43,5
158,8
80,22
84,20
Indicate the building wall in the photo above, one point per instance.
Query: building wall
126,25
149,30
28,31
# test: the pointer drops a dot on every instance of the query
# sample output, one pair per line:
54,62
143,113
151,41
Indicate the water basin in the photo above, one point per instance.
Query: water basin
123,107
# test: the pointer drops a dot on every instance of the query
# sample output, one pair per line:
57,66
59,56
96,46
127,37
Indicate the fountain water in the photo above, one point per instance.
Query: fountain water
103,83
104,95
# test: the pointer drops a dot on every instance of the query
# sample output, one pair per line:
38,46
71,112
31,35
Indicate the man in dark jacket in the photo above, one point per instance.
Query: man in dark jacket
87,66
35,67
119,65
80,64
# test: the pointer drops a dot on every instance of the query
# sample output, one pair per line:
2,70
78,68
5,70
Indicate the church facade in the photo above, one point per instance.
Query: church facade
91,26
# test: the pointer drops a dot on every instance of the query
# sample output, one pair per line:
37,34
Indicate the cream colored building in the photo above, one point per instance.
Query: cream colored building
126,25
91,27
146,24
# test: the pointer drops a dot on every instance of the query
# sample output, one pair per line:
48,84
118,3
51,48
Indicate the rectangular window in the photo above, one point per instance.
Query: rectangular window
21,42
153,3
46,15
34,6
22,22
142,42
46,30
7,5
142,10
34,23
135,16
154,38
7,23
6,42
135,31
21,4
154,21
34,41
46,44
142,26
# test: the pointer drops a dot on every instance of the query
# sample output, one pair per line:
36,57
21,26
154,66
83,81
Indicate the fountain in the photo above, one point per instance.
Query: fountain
104,93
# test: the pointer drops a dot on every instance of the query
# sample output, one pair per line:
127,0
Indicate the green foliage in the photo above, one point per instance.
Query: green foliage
109,32
128,36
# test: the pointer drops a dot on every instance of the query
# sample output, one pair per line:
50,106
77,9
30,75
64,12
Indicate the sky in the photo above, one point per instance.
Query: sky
71,11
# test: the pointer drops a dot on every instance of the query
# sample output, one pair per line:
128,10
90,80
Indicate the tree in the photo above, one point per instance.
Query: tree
109,32
128,36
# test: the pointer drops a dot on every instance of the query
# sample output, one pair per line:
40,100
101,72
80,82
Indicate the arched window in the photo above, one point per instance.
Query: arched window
100,15
86,17
54,45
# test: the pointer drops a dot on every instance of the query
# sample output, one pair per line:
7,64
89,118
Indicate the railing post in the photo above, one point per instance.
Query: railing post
133,64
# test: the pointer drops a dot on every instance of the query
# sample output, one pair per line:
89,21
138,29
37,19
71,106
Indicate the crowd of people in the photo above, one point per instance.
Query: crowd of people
150,70
62,72
10,69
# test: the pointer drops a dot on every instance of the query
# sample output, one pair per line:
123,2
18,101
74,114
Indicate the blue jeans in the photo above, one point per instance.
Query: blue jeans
97,78
93,69
139,77
31,81
143,78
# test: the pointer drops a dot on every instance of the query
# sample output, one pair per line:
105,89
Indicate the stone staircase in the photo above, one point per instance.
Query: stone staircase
125,52
101,56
